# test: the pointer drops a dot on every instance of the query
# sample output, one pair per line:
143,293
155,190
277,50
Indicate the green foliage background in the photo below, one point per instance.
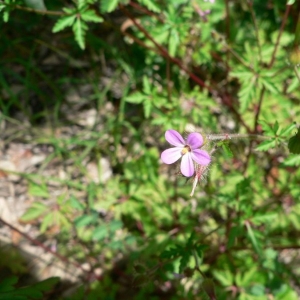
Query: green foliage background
222,66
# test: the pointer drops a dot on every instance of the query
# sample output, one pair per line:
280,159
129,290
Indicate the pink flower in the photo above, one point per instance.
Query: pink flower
187,150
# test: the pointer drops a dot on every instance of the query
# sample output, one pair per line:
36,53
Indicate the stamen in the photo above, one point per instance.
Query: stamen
185,150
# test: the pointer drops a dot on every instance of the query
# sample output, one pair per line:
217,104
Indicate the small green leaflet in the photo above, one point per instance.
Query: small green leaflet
63,23
292,161
77,18
266,145
277,135
151,5
227,150
36,210
294,143
79,29
107,6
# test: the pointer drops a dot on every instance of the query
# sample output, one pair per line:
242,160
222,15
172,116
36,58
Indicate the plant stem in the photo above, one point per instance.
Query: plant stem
297,73
262,93
164,52
288,7
229,136
39,11
176,61
250,4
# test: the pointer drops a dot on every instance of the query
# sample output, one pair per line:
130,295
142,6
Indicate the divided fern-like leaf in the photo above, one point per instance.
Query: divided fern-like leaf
108,6
79,29
151,5
90,16
63,23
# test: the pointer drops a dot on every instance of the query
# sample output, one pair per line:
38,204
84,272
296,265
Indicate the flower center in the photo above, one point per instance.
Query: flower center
185,150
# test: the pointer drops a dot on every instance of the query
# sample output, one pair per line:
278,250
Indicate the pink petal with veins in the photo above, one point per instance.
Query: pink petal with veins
194,140
174,138
187,165
201,157
171,155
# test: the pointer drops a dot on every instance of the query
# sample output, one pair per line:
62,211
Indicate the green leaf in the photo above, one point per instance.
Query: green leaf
36,4
246,94
7,284
100,233
225,277
38,190
35,211
266,145
147,107
294,143
254,237
226,149
107,6
234,232
135,98
184,261
288,129
275,127
292,161
46,222
90,16
173,251
173,42
115,225
47,284
75,203
146,85
151,5
63,23
79,29
290,2
84,220
269,86
264,218
5,16
267,128
81,4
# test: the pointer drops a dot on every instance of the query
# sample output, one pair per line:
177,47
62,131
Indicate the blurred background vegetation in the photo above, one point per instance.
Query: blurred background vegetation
88,89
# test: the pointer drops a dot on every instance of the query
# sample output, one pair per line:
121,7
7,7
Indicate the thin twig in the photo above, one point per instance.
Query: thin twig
176,61
227,20
287,11
297,73
39,11
262,93
164,52
240,59
261,96
250,4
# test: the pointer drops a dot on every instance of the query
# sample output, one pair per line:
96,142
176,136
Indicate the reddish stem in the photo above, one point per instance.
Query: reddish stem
164,52
287,11
176,61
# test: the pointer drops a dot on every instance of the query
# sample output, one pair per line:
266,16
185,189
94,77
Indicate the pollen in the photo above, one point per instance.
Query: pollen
185,150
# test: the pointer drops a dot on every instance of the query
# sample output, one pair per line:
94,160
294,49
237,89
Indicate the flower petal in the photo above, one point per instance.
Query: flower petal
201,157
187,165
174,138
194,140
171,155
